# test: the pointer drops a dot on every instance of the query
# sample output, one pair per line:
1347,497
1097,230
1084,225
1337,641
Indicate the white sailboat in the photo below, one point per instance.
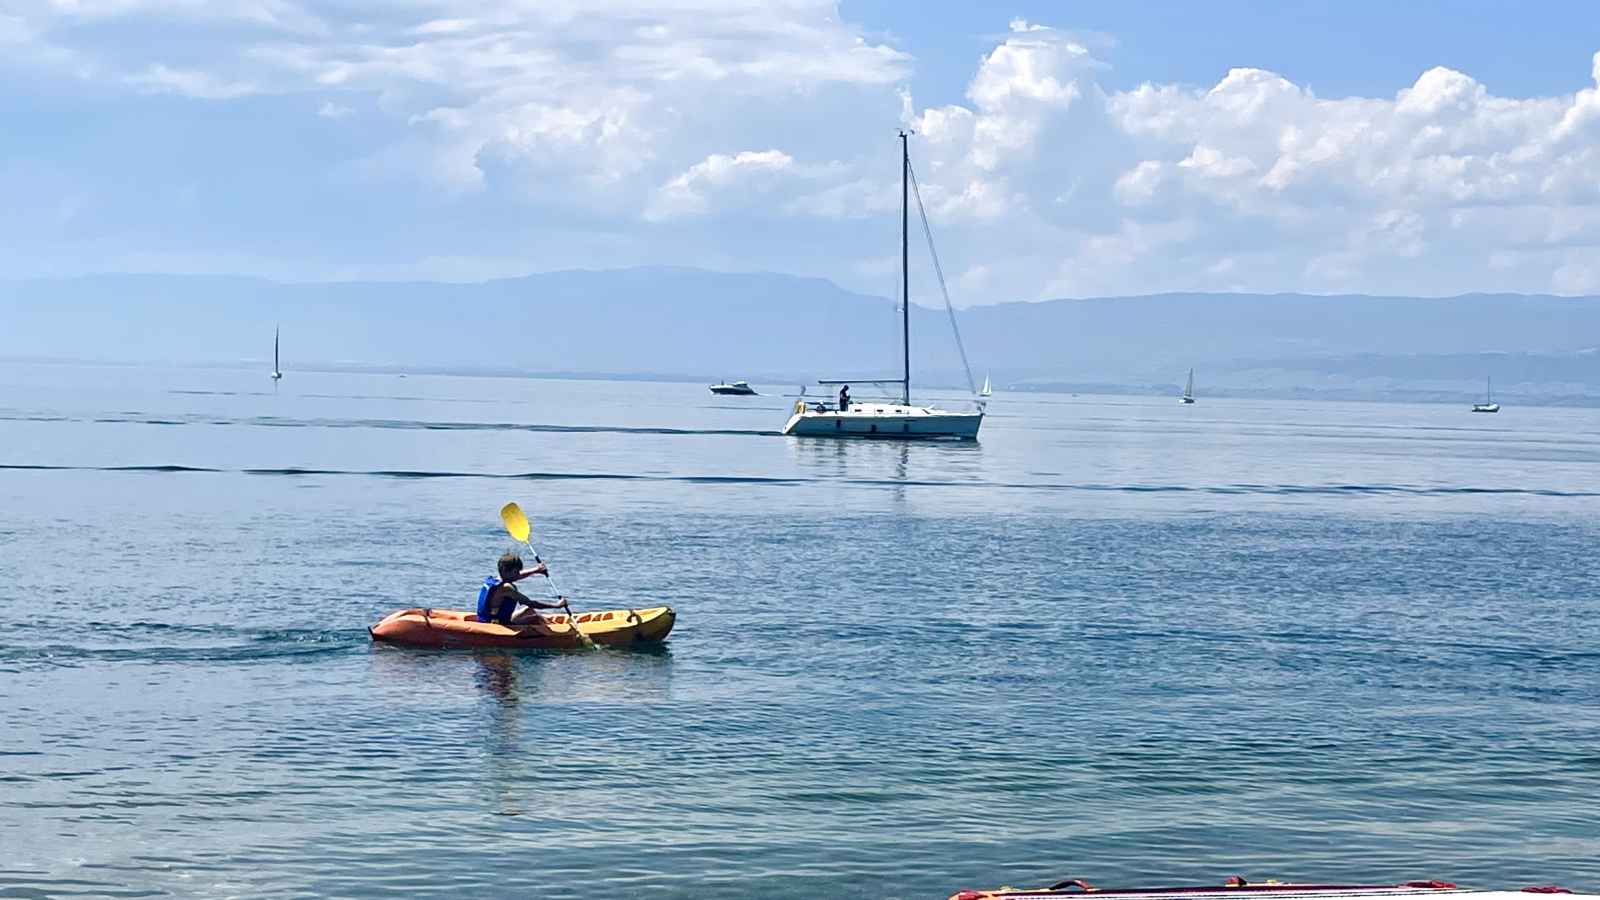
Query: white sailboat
1488,405
1188,388
277,371
987,391
891,419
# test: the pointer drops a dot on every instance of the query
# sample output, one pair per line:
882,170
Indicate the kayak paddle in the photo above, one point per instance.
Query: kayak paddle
517,525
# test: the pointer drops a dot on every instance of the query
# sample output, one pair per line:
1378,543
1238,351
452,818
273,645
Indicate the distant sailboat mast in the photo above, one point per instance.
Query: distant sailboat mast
277,371
1188,388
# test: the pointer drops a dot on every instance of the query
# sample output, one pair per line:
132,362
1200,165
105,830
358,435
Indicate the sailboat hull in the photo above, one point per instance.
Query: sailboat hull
885,422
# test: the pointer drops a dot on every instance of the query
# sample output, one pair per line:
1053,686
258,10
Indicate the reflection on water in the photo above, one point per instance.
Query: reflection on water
497,676
526,679
508,700
497,679
902,461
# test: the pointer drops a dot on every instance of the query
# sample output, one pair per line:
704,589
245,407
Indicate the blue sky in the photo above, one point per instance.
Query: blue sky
1066,149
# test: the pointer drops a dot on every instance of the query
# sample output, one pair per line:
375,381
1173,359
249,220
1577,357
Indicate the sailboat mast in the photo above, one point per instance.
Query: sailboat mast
905,267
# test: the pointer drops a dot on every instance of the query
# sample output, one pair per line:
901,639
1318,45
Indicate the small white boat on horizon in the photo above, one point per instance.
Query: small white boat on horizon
1188,388
733,389
987,391
1488,405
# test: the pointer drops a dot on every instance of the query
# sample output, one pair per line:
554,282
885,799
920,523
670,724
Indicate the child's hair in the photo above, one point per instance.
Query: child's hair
509,562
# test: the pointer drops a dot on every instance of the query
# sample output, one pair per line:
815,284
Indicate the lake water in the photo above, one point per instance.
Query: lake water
1118,639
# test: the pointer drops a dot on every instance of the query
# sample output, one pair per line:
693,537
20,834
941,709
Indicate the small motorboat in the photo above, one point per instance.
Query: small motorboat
1237,887
735,389
449,629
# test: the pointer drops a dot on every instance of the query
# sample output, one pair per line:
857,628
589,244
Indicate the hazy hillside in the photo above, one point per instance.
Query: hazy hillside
777,328
633,321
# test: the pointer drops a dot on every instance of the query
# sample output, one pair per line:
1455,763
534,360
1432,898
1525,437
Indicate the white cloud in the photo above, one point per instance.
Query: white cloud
750,171
188,82
1258,183
582,98
1041,182
15,30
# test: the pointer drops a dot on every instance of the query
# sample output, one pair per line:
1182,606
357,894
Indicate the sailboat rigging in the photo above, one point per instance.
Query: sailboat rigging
894,419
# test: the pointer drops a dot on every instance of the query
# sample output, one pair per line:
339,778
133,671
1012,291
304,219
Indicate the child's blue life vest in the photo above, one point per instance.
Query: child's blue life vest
485,614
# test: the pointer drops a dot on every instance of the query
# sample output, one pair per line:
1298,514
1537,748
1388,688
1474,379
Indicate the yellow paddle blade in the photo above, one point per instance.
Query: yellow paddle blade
516,522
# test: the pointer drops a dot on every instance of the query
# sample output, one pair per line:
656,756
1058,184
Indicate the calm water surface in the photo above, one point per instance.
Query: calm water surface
1118,639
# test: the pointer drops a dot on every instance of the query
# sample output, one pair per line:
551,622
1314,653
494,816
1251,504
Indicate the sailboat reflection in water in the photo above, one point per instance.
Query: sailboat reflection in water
897,418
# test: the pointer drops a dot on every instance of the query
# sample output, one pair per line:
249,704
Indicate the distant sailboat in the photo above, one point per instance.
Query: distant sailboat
1488,404
986,392
1188,388
277,371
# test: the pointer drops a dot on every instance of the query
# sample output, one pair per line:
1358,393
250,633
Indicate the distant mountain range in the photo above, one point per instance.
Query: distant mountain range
666,322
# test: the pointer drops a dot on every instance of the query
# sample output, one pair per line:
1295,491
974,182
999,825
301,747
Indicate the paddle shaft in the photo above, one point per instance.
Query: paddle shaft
572,619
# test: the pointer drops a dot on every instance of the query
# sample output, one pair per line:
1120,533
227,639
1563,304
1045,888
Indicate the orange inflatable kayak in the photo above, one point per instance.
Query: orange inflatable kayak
451,628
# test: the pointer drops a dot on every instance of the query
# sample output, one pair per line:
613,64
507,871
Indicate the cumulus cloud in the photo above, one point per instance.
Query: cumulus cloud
1257,183
580,98
1041,182
1412,193
750,170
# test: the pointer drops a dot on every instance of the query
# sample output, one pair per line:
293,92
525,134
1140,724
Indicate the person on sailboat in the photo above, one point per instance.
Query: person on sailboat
499,599
844,398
